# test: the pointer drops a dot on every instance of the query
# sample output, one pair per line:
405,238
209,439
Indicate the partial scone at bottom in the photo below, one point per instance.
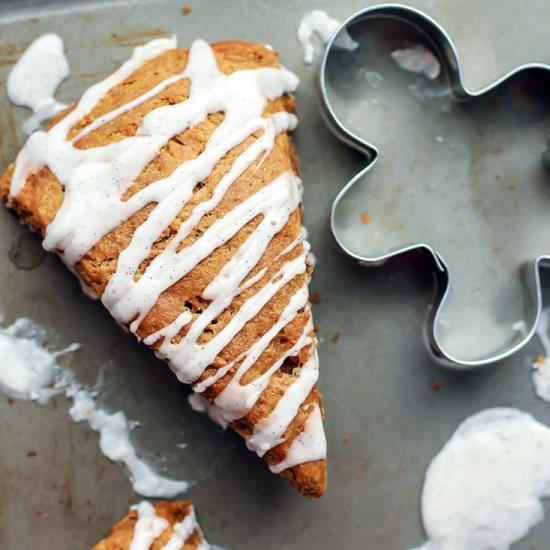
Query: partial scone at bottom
162,525
170,189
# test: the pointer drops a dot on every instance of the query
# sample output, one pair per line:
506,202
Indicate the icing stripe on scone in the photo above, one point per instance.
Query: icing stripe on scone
96,181
149,528
309,445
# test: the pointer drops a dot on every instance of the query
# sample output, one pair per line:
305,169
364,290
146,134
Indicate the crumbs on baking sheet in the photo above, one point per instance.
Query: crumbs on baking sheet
315,298
436,385
316,328
334,338
185,9
539,361
365,217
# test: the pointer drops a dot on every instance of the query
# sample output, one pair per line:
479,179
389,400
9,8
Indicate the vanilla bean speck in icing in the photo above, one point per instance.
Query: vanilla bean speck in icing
96,183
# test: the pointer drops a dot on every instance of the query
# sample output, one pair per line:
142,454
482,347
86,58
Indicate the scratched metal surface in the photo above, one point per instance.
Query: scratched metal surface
384,422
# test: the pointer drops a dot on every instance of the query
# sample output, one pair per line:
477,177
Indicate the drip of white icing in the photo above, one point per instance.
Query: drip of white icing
320,23
182,531
483,490
29,371
114,440
148,527
541,369
269,431
237,399
33,80
417,59
96,179
308,446
200,404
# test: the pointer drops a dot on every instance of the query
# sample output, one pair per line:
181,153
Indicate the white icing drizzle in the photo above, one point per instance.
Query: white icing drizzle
483,490
200,404
148,527
309,445
275,201
541,369
27,368
115,444
30,371
237,399
96,179
417,59
182,531
320,23
33,80
269,431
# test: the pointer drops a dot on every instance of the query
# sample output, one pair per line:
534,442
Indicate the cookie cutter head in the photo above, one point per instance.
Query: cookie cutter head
442,46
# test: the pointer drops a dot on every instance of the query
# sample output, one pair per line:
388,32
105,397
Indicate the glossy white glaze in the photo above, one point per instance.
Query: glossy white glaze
115,444
309,445
320,23
33,80
483,490
148,527
27,368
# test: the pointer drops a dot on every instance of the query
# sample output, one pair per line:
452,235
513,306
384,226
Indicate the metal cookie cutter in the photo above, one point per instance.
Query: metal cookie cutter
508,334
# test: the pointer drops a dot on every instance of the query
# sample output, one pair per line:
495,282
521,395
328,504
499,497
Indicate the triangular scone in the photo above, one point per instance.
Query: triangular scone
171,190
162,525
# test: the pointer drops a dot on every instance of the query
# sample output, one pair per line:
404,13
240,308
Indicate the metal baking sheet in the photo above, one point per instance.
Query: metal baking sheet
384,421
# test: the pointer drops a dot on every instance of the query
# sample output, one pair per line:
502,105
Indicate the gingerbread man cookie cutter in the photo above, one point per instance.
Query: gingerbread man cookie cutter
447,54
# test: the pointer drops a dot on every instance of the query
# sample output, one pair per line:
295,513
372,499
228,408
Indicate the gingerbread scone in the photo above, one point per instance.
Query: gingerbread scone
159,526
171,190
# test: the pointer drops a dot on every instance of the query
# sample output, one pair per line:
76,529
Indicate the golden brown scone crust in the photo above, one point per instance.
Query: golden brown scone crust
42,196
174,512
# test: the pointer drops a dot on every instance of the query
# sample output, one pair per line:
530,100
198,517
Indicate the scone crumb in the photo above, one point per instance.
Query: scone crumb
185,9
345,438
436,385
365,217
539,361
315,298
